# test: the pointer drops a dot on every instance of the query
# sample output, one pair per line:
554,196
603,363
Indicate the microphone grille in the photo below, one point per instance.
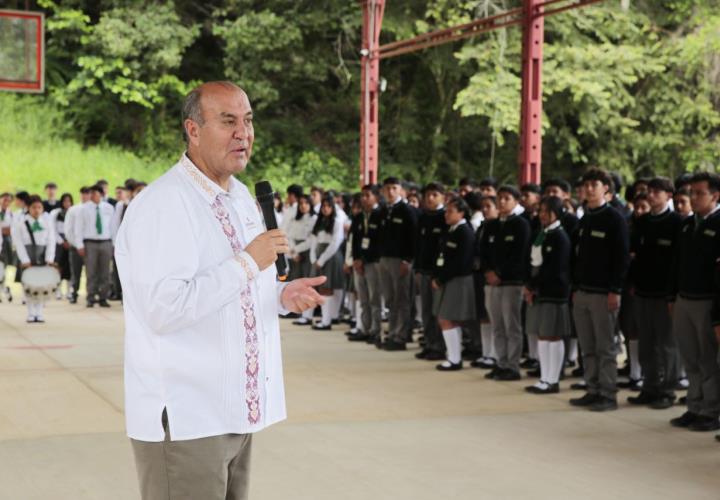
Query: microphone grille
263,188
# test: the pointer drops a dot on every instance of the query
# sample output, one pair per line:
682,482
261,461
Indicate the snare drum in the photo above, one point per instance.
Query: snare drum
40,282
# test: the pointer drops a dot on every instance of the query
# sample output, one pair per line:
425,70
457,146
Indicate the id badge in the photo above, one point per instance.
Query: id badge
440,261
365,244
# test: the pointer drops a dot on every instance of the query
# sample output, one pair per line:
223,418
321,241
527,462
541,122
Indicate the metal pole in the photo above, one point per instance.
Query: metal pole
370,77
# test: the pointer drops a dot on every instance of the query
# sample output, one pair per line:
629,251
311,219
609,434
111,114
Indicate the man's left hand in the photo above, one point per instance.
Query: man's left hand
300,295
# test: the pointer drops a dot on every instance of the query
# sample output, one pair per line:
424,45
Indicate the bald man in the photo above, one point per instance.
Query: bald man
203,369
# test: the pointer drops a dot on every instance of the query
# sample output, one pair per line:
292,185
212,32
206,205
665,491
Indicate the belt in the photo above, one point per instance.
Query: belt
96,241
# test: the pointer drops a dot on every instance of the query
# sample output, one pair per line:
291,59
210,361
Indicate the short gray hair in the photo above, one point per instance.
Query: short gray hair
192,106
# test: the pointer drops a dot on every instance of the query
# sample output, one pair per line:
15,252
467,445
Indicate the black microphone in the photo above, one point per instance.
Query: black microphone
266,199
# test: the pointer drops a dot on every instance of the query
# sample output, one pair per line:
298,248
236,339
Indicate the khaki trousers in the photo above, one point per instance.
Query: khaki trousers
212,468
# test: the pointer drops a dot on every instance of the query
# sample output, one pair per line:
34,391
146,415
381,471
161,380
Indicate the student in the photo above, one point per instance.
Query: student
365,251
453,281
505,249
397,252
35,245
600,264
316,194
681,202
698,251
74,238
299,233
474,202
488,187
466,186
488,360
6,253
547,292
326,258
293,194
94,227
51,203
530,195
103,184
431,229
62,253
652,243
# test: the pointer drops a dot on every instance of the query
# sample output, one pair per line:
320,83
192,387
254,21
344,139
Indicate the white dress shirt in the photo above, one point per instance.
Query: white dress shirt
117,218
71,225
86,228
58,225
21,237
202,332
300,231
333,242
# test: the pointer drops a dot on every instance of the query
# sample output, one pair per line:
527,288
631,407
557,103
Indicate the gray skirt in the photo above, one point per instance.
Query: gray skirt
300,269
333,269
455,301
548,319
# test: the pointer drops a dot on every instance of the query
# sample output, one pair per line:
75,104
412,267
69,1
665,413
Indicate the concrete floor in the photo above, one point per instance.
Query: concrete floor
362,424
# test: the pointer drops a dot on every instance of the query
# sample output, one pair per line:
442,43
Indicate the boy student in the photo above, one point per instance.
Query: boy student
94,244
601,261
431,229
34,240
698,251
365,230
74,237
653,242
52,201
505,247
397,251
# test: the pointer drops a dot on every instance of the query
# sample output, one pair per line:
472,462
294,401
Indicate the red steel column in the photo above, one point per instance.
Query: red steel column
370,89
530,154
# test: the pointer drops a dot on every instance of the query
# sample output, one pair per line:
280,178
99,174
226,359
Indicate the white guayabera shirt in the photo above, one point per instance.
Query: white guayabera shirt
202,332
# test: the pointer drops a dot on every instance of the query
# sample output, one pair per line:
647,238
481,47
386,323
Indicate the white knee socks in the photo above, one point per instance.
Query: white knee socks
327,311
453,343
556,355
543,354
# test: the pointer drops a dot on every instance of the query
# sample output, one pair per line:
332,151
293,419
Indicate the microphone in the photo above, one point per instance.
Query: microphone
266,199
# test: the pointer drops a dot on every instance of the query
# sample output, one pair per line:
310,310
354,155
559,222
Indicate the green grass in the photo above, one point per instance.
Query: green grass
34,150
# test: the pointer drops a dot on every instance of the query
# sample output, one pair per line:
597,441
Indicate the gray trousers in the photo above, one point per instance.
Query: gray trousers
692,327
212,468
396,290
596,333
658,349
98,255
433,336
367,287
505,309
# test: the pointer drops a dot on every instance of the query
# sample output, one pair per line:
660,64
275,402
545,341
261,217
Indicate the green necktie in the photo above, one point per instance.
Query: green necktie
36,226
98,220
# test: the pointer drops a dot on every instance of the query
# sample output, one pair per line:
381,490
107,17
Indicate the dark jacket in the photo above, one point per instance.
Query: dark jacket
551,280
504,249
431,229
366,226
696,260
456,254
398,231
601,251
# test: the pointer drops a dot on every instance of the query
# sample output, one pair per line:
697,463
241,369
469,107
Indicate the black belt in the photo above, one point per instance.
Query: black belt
96,241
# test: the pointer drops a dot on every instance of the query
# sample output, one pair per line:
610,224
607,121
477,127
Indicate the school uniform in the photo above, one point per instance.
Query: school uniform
94,229
431,230
327,258
365,247
6,252
600,263
34,241
72,236
653,242
50,205
485,343
698,251
528,312
397,245
299,232
549,279
505,248
62,255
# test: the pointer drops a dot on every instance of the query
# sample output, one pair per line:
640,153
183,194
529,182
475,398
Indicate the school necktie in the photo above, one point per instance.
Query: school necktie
36,226
98,220
539,239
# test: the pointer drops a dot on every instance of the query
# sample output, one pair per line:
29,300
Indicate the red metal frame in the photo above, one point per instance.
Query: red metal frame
37,85
531,16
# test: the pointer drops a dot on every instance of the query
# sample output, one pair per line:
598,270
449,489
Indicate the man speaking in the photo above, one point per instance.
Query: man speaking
203,369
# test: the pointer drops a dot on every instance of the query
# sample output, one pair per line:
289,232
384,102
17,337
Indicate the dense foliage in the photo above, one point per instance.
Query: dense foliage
636,90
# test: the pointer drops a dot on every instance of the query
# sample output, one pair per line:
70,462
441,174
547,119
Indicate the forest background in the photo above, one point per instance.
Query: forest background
634,88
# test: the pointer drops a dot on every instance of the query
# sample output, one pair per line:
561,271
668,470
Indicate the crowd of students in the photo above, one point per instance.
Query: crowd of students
67,235
543,278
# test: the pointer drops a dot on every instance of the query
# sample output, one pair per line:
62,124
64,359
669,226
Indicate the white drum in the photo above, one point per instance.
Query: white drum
40,282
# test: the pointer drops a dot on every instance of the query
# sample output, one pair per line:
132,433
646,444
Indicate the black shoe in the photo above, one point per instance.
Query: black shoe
90,304
545,388
358,337
391,345
302,322
449,367
335,322
421,354
484,363
73,300
578,386
530,364
508,375
321,327
377,341
533,373
604,404
644,398
684,420
104,303
434,356
569,364
683,400
704,424
493,374
578,372
663,403
587,400
632,384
